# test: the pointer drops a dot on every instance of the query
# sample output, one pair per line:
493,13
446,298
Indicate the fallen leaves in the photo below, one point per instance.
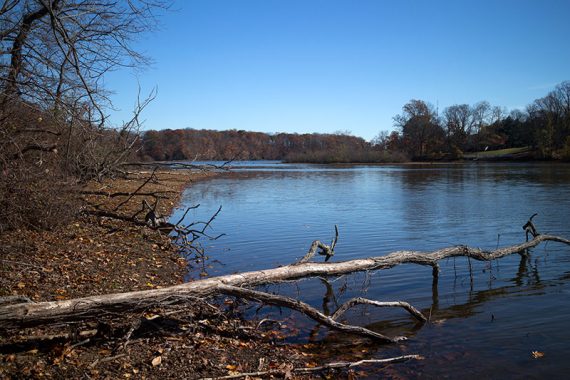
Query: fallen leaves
231,369
156,361
537,354
150,316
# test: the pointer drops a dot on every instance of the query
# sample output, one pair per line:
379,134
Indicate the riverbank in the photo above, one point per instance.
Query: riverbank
100,255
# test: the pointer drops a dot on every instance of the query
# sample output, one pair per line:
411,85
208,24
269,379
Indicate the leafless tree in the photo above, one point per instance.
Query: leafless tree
54,107
420,127
459,123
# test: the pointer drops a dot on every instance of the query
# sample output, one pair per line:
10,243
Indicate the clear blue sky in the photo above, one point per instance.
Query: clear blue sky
323,66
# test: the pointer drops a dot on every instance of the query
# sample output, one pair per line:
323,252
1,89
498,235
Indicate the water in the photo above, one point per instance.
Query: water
489,327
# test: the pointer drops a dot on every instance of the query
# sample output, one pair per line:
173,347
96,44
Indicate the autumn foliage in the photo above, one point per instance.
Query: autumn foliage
190,144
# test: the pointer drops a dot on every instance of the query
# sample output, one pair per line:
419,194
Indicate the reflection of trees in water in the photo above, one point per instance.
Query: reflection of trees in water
533,173
418,177
234,186
439,198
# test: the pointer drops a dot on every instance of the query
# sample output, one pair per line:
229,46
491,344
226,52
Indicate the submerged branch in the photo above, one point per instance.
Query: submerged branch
20,315
309,311
324,250
363,301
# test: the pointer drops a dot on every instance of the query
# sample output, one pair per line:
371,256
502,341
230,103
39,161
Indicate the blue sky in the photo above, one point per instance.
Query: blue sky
324,66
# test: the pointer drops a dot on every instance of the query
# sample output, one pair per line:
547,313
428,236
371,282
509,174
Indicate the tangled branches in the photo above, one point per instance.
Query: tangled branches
54,129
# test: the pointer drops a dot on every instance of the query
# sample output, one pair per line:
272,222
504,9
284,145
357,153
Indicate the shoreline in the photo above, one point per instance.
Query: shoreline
98,256
405,163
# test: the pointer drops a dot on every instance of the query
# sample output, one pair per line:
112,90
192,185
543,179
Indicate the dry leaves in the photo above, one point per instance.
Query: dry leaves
537,354
156,361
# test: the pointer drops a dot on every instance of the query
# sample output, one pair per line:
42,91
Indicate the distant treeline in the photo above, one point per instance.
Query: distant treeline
189,144
422,133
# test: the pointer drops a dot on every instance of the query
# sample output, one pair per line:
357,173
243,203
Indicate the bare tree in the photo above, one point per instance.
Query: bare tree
551,118
459,124
53,103
420,127
481,112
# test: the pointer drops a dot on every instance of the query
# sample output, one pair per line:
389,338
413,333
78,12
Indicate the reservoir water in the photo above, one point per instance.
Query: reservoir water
484,325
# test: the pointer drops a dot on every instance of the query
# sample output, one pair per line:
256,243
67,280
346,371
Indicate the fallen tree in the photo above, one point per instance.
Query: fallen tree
26,314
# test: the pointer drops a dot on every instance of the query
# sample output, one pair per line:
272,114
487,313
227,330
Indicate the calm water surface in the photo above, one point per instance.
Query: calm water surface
489,327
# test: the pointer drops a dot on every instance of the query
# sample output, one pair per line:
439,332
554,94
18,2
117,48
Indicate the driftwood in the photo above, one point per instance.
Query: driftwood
330,321
324,250
43,313
149,179
326,367
530,228
186,235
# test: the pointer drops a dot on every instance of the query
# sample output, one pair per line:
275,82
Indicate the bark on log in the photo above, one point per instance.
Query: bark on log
30,314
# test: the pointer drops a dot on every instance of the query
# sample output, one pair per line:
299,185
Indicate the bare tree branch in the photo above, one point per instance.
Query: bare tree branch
307,310
325,250
326,367
363,301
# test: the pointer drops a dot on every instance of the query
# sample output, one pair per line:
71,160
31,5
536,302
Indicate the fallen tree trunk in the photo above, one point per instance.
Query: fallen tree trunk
43,313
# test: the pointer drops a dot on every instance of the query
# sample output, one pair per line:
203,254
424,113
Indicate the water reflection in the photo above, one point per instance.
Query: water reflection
526,282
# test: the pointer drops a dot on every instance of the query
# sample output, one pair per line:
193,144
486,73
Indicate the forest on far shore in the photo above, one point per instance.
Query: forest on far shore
422,133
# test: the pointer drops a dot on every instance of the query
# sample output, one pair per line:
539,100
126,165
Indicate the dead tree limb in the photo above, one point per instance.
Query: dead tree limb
29,314
530,228
9,300
35,147
324,250
155,194
326,367
114,215
152,218
364,301
187,235
150,178
197,233
309,311
184,165
186,213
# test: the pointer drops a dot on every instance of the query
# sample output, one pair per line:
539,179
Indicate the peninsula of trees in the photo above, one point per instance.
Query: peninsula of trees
422,133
